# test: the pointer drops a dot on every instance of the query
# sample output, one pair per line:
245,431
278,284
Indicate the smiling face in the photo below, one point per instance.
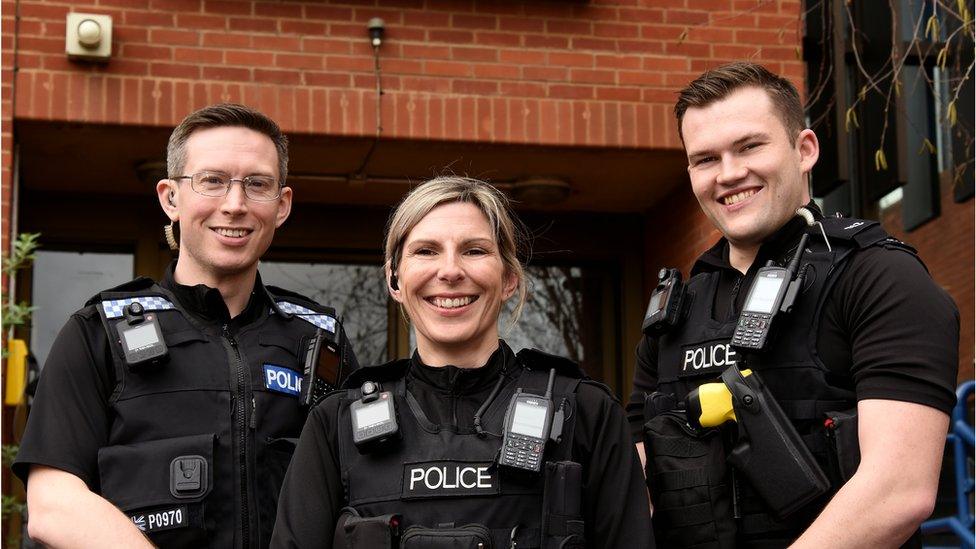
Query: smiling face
747,175
452,283
222,238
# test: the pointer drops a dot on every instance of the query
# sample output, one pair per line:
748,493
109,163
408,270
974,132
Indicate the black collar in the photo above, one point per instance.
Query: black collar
207,304
776,247
464,380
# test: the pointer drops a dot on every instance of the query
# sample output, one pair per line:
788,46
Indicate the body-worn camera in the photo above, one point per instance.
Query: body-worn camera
666,306
142,340
374,419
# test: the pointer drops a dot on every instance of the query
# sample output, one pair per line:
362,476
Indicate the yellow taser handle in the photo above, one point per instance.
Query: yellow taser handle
16,372
716,403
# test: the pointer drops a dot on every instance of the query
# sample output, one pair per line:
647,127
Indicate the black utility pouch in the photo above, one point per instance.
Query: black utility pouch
686,476
469,536
844,450
562,516
356,532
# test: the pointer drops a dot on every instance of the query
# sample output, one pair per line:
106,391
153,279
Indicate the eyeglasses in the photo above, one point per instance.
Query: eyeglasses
256,187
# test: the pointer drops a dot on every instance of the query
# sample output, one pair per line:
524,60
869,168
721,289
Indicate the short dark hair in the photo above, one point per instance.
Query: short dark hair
221,115
718,83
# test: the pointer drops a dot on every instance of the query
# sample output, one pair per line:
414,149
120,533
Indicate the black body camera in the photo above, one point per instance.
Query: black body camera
142,341
374,419
666,306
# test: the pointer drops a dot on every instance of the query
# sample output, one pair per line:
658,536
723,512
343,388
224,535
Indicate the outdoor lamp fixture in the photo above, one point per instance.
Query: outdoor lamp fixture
376,27
540,191
88,37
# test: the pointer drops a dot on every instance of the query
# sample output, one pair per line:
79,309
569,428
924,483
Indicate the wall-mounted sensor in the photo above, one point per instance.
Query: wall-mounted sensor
88,37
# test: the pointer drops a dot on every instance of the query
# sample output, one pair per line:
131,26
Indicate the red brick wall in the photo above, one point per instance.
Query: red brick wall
677,232
601,73
7,37
946,244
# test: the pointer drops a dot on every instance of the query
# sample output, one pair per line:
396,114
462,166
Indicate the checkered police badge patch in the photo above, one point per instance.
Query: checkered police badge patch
319,320
115,308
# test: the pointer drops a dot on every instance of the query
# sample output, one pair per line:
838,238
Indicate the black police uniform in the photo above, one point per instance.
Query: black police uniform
442,477
193,451
869,323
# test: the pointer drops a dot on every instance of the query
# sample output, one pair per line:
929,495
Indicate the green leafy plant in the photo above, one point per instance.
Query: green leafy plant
15,314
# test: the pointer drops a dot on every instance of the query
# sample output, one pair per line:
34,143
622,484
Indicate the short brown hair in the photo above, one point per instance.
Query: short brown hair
221,115
510,234
718,83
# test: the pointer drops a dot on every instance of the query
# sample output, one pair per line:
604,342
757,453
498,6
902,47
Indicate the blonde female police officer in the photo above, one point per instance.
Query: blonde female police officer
451,264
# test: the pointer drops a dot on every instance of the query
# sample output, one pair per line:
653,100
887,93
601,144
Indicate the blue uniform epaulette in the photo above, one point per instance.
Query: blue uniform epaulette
534,359
139,284
395,369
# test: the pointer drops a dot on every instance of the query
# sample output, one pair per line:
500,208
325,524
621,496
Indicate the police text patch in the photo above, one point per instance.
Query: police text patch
282,380
449,479
706,358
162,519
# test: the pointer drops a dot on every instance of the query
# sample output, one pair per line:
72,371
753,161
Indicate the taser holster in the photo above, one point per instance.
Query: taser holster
768,450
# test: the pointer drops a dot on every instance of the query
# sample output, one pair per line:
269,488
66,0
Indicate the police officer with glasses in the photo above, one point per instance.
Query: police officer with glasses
167,412
796,390
466,443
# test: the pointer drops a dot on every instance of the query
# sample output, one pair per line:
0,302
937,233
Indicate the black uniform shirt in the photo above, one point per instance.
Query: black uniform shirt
888,331
70,417
614,498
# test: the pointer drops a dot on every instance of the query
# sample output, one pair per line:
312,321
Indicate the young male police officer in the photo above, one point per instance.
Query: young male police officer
870,332
189,448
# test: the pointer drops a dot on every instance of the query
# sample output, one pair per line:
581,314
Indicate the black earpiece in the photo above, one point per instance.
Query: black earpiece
394,283
171,196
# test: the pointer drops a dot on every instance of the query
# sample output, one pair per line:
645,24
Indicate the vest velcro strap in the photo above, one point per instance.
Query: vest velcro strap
691,515
677,480
760,523
678,447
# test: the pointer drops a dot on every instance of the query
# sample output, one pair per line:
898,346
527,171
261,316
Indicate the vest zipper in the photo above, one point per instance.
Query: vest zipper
240,420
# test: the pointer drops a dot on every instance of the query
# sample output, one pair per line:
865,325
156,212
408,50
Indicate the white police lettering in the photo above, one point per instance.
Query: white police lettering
853,225
450,477
281,379
714,356
172,517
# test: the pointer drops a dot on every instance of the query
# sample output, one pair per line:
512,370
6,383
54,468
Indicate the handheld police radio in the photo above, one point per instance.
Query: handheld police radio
142,340
666,304
374,421
322,369
528,426
774,290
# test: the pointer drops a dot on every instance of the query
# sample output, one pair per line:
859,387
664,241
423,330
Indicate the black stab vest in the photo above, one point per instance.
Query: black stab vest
698,350
436,475
209,413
